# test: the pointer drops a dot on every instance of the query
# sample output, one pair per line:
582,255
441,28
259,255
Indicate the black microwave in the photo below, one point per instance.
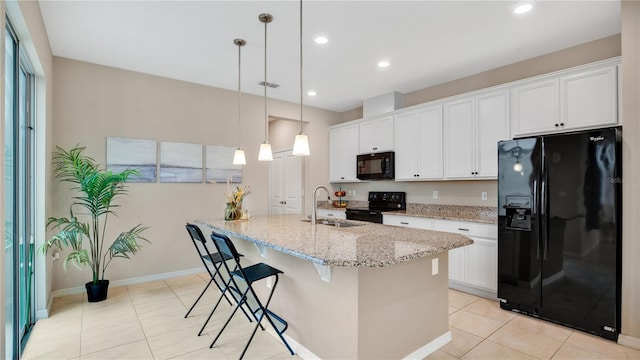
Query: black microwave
376,166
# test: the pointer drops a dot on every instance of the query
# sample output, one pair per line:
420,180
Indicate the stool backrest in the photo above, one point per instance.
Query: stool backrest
225,247
200,243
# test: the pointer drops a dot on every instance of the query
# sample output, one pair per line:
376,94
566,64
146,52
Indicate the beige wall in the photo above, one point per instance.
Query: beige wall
93,102
631,172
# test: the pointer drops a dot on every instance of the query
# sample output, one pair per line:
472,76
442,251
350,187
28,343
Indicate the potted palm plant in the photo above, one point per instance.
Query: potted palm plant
97,189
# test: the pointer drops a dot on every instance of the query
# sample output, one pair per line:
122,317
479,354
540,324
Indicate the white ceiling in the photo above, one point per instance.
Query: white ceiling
426,42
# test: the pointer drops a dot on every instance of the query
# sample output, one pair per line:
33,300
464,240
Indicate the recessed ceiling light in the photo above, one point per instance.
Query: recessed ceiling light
321,40
521,9
383,64
311,93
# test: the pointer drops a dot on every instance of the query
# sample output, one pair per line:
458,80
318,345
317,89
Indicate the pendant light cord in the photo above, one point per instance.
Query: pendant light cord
301,96
266,119
239,107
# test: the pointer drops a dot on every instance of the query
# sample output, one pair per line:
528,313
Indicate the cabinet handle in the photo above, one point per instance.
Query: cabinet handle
404,223
463,229
341,177
375,148
561,124
329,214
557,125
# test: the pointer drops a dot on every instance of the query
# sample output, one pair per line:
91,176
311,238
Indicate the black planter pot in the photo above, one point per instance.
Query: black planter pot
97,292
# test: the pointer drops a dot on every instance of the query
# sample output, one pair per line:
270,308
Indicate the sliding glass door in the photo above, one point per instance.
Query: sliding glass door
19,190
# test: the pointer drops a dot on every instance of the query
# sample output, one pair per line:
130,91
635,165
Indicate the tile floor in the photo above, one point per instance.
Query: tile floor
146,321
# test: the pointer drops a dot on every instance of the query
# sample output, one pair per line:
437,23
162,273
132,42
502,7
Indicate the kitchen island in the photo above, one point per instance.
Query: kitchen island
359,292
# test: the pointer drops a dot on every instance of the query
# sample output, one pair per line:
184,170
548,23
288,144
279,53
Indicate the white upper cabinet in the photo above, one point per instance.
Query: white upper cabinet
589,98
343,149
376,135
571,100
473,127
492,125
536,107
460,152
418,139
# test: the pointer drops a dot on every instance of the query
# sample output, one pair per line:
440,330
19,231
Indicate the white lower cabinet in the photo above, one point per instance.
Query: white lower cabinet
473,268
407,221
456,264
331,214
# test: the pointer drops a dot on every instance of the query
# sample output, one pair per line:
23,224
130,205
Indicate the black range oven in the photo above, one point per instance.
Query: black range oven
379,201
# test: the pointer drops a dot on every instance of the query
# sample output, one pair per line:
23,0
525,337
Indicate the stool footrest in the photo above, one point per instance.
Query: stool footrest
280,324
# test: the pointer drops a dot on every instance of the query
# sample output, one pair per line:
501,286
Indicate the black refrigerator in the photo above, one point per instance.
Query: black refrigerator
559,228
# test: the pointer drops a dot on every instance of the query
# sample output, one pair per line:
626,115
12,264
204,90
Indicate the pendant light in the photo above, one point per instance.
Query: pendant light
238,155
265,148
301,144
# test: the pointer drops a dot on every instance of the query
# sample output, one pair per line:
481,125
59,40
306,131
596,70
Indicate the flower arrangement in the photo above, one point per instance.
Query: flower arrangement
234,201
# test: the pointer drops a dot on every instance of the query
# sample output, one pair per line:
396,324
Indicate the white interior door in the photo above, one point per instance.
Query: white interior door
277,195
286,183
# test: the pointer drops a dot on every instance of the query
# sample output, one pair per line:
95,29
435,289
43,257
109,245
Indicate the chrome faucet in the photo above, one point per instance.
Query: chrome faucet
314,215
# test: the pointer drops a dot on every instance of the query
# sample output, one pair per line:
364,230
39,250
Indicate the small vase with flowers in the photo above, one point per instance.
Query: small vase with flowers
233,210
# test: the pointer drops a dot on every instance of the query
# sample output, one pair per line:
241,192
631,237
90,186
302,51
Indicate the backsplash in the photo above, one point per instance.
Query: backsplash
486,214
454,212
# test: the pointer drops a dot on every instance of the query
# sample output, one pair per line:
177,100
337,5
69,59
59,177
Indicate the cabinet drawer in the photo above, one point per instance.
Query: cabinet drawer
331,214
407,221
467,228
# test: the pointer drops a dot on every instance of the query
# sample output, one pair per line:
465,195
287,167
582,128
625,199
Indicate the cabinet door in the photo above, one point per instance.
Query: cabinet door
430,144
589,98
492,125
456,264
343,149
481,263
331,214
376,135
536,107
459,144
406,139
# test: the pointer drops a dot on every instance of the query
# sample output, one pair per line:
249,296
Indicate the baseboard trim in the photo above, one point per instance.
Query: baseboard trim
431,347
300,351
44,313
630,341
129,281
492,295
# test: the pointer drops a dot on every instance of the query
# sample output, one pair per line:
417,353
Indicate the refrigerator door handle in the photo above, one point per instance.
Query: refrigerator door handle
543,208
535,212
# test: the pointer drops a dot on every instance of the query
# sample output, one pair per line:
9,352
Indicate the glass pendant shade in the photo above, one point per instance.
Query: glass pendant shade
265,152
238,157
301,145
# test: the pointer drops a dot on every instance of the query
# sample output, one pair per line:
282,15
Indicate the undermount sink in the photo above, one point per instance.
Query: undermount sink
332,222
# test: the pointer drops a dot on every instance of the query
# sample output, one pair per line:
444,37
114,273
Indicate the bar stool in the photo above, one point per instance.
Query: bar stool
212,263
241,283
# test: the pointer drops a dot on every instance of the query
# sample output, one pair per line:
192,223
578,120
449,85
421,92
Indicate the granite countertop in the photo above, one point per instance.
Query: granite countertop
370,245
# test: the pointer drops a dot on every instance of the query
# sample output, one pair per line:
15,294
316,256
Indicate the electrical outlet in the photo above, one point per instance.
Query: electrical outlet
434,266
484,195
435,194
